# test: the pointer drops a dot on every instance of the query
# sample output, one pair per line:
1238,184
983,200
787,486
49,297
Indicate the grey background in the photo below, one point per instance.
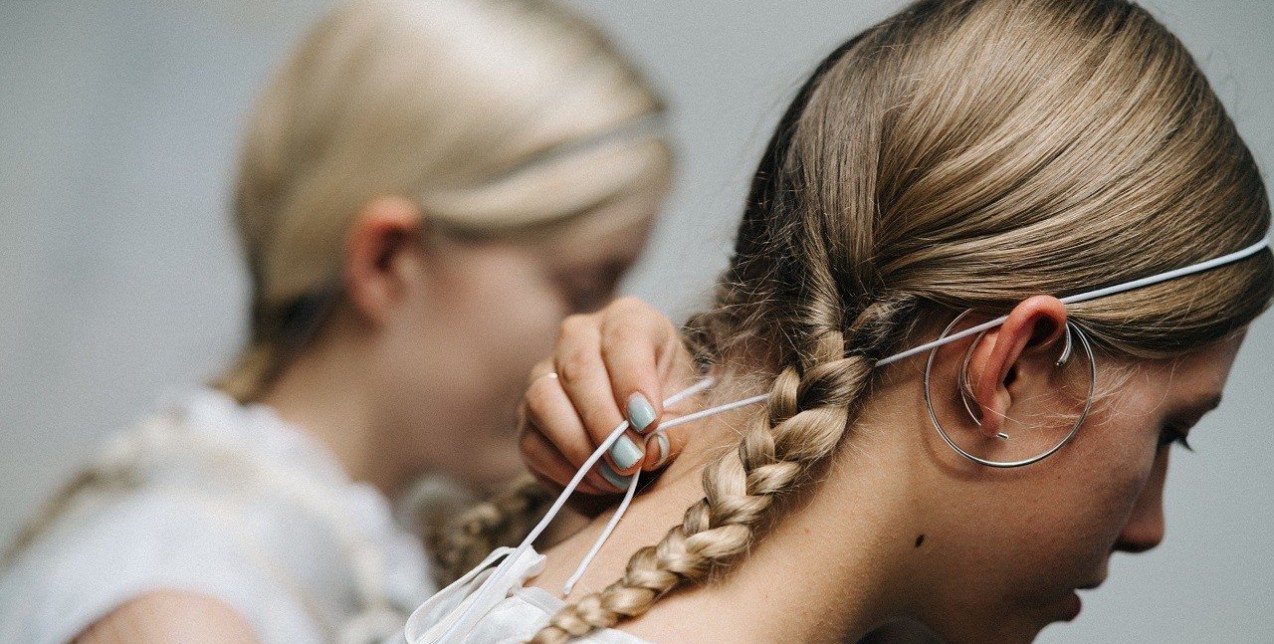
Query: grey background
119,123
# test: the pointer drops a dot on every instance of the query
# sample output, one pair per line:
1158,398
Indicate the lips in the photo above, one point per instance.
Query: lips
1073,607
1099,578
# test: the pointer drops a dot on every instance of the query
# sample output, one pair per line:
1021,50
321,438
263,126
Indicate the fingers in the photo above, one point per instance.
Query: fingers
552,469
617,364
642,357
554,442
662,448
635,339
543,368
647,362
585,381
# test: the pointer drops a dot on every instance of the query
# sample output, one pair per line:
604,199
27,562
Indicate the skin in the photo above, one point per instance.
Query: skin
475,313
171,616
1003,550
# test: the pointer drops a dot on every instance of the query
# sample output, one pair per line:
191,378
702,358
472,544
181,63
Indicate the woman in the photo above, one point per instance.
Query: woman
970,170
426,189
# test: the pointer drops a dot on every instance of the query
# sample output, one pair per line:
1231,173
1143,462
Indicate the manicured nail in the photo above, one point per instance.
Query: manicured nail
614,477
640,412
664,449
625,452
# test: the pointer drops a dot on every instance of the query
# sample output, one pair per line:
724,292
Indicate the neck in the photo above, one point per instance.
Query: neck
320,394
841,561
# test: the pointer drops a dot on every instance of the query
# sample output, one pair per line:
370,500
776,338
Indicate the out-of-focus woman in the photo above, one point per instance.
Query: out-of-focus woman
427,188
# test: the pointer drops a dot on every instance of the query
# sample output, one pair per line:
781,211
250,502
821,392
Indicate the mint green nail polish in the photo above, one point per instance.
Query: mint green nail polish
614,477
640,412
625,452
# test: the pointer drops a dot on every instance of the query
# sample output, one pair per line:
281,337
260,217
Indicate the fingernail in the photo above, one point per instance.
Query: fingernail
625,452
664,449
614,477
640,412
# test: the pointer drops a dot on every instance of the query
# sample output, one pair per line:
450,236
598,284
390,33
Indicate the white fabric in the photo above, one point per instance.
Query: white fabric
512,620
228,501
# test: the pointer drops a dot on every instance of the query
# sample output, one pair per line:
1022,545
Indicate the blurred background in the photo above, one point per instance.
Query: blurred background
119,278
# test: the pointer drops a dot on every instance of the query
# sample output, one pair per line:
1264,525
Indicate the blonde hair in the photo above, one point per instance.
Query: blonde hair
960,154
495,116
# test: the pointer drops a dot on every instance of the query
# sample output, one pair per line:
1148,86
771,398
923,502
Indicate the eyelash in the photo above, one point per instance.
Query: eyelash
1170,434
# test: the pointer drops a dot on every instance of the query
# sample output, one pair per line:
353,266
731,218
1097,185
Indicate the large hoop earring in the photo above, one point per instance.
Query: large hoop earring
1072,331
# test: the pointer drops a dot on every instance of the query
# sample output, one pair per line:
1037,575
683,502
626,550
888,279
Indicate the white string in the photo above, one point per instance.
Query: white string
719,409
1090,295
632,485
1170,275
597,545
492,583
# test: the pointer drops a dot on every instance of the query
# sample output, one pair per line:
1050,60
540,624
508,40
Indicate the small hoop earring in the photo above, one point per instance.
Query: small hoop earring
1067,350
966,390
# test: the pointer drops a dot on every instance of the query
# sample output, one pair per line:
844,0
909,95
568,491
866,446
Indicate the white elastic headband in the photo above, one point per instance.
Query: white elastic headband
485,597
1092,295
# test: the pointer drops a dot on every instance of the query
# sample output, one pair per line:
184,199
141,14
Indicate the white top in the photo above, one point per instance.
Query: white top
513,614
229,501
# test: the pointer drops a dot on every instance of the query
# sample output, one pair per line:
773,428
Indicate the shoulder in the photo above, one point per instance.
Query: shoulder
170,616
118,552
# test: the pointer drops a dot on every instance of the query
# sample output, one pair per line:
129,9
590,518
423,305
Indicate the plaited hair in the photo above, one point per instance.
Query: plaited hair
503,519
960,154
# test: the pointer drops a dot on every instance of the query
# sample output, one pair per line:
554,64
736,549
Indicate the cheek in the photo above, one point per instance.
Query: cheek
476,338
1112,465
1069,513
509,322
525,328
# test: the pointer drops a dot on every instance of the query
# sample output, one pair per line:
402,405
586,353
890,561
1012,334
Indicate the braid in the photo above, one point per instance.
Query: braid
502,520
805,419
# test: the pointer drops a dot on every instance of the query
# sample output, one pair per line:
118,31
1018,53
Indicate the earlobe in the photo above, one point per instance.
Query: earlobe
996,361
385,230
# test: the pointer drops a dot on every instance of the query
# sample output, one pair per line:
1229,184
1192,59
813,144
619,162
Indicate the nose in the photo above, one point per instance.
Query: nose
1145,527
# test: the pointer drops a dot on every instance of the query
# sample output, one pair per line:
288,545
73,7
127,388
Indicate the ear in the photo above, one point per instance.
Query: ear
379,263
999,359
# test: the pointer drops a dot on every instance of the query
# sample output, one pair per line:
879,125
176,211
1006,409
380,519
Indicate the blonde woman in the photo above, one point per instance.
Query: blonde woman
998,257
426,189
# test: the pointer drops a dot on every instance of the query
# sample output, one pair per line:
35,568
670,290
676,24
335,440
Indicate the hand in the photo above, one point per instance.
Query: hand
618,363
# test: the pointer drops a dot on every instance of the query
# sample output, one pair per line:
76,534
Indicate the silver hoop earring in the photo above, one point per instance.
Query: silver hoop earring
1072,331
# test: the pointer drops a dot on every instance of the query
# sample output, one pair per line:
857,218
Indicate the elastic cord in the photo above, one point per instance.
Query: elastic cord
1090,295
632,485
643,126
